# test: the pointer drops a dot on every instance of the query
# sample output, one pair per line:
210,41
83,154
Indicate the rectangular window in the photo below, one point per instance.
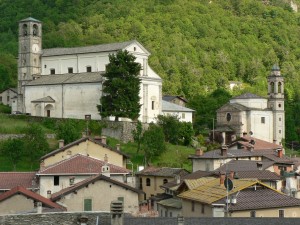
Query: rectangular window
171,214
202,208
263,119
281,213
166,213
193,206
121,199
183,116
0,98
88,205
70,70
152,105
52,71
88,69
56,180
252,213
7,98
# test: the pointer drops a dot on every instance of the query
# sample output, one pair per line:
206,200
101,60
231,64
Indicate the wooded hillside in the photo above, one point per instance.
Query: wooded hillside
197,46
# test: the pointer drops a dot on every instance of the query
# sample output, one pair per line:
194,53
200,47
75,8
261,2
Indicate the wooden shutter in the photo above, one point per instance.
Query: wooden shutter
88,204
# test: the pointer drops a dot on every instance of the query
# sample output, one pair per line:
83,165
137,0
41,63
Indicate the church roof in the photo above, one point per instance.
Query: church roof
90,49
45,99
67,79
168,106
248,96
30,19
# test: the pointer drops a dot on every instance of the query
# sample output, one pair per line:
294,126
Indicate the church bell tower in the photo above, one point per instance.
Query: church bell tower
29,57
276,103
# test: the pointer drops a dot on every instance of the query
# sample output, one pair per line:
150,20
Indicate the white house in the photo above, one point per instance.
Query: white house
7,96
183,113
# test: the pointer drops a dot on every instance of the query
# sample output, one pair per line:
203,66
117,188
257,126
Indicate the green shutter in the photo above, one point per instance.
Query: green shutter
87,204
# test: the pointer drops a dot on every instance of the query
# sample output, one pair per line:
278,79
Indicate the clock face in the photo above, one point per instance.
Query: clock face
35,48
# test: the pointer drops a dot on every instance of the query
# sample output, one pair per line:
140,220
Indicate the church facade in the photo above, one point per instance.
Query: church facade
261,117
67,82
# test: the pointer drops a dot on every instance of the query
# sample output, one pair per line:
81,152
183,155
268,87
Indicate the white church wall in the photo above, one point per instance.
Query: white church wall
262,128
252,103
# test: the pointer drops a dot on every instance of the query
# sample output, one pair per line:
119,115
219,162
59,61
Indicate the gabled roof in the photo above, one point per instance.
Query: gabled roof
260,198
258,144
172,107
169,98
29,194
9,180
171,203
248,96
12,89
262,175
45,99
68,78
162,172
80,141
244,165
56,196
30,19
92,49
194,183
213,191
80,164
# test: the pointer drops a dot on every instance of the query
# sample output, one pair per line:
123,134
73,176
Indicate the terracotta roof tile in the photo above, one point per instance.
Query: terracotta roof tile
245,165
9,180
259,144
21,190
80,164
163,172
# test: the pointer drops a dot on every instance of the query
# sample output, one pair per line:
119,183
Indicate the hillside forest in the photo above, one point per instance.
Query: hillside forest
197,46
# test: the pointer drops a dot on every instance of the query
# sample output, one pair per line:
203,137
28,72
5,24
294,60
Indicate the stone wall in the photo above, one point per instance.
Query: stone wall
121,130
55,218
7,136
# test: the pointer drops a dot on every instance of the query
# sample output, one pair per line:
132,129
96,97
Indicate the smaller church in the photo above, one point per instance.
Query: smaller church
261,117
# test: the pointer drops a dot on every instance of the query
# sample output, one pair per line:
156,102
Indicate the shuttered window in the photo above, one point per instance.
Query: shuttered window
88,204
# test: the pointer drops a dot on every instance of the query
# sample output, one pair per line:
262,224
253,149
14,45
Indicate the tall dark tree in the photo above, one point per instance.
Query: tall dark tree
121,87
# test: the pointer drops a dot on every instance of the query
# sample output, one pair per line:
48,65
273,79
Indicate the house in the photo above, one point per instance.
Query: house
96,193
7,96
151,178
254,114
9,180
96,148
178,100
184,114
20,200
246,198
67,82
75,169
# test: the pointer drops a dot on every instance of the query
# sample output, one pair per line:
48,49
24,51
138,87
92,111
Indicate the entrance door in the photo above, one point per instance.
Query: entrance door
48,113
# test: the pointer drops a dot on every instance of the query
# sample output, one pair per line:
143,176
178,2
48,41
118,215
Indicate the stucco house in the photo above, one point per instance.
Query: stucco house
96,193
20,200
67,82
7,96
93,147
183,113
77,168
248,198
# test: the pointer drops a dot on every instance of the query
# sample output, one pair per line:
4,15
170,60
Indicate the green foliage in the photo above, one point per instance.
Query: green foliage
14,150
36,143
67,130
186,133
138,135
121,87
153,142
5,109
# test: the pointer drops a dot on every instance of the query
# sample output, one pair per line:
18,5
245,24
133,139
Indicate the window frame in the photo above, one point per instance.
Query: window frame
88,204
148,182
56,180
52,71
281,213
88,69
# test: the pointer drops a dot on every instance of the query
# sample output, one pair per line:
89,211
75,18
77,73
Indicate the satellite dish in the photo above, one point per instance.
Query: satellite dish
228,184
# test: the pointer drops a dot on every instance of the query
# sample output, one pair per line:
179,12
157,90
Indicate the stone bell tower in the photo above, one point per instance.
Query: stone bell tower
276,103
29,57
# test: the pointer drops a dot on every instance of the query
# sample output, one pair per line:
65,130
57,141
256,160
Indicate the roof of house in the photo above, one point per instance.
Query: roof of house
244,165
194,183
74,143
248,96
213,191
263,175
88,181
29,194
260,198
68,78
255,143
162,172
12,89
80,164
172,107
171,203
9,180
169,98
91,49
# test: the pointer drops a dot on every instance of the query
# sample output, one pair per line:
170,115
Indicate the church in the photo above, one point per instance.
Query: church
67,82
263,118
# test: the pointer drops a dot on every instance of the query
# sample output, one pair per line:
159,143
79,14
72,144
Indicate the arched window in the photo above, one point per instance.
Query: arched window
25,30
279,87
35,30
272,87
148,182
165,181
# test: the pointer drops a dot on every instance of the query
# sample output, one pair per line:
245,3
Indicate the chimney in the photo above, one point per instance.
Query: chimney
274,141
105,159
39,207
118,147
103,140
97,138
259,165
48,194
61,143
199,152
83,220
224,150
42,165
180,220
105,170
231,175
244,134
116,212
222,178
279,152
177,179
